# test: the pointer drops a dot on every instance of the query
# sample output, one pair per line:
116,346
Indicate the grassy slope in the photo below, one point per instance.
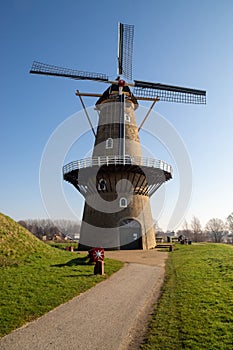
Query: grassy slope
35,278
18,244
195,310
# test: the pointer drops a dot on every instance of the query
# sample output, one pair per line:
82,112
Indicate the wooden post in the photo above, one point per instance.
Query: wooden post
99,267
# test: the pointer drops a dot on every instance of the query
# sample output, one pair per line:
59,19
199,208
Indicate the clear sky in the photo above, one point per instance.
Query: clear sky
187,43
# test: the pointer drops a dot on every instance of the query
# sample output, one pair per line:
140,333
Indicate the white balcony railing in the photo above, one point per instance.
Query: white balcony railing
116,160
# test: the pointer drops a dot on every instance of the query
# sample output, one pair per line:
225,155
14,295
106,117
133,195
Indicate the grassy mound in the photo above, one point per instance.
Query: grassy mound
35,278
17,244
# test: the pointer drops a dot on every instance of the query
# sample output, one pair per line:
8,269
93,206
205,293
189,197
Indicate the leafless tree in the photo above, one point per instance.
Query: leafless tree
216,229
51,229
69,227
229,224
196,229
157,228
185,232
159,231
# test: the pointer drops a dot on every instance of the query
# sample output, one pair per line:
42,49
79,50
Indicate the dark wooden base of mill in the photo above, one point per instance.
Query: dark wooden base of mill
129,228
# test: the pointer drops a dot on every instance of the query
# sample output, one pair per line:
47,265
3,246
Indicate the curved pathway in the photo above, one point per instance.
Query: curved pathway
110,316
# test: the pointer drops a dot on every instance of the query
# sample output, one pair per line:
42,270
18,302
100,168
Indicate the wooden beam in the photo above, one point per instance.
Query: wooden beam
147,114
78,93
87,115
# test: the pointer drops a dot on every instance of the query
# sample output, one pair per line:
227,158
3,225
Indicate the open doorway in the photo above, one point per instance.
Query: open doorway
130,232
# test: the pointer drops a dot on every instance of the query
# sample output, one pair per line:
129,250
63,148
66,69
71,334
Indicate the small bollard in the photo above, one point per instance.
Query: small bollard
70,248
171,248
99,267
96,255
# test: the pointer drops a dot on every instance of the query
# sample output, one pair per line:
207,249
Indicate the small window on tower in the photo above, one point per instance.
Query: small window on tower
127,118
102,185
109,143
123,202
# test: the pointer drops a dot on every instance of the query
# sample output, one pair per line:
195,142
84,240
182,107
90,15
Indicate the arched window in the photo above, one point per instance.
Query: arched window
123,202
127,118
109,143
102,185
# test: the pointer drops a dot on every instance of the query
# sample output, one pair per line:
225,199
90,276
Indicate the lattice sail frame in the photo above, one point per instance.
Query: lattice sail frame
170,95
125,50
142,90
48,69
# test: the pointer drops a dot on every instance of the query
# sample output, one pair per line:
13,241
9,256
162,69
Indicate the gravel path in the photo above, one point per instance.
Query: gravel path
110,316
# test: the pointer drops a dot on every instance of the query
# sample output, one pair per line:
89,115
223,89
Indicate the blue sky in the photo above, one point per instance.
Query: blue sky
187,43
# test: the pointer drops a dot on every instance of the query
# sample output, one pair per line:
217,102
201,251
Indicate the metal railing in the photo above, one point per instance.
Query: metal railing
116,160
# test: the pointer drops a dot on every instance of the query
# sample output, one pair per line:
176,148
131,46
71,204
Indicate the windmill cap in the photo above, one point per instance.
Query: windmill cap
112,95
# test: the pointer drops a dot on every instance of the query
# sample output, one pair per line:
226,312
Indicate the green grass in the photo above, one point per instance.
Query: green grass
63,245
195,310
35,278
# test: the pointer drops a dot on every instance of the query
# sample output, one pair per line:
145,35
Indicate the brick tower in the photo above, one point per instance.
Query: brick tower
117,181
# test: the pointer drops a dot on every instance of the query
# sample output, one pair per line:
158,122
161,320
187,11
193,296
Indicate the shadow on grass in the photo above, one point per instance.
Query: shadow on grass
75,262
81,275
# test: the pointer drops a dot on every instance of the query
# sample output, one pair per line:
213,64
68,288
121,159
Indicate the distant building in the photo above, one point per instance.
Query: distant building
171,237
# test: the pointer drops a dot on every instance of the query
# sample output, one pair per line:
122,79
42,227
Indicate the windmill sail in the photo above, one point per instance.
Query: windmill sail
125,50
169,93
48,69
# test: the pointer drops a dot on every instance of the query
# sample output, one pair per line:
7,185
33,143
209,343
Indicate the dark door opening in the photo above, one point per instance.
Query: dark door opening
130,234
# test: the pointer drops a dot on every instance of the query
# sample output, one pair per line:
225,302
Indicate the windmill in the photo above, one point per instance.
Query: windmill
117,181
